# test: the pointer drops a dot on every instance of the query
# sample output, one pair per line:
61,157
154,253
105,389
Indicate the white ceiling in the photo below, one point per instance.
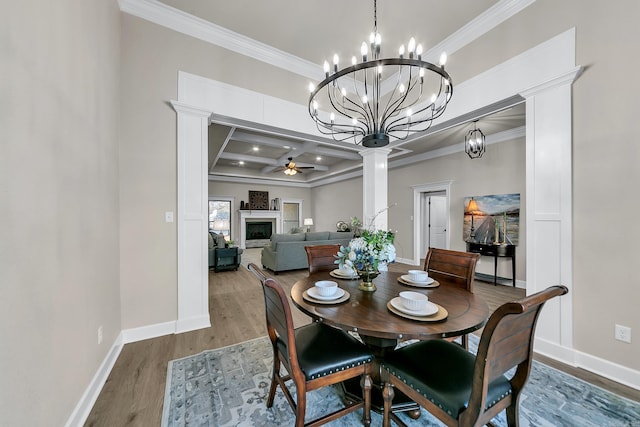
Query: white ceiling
311,31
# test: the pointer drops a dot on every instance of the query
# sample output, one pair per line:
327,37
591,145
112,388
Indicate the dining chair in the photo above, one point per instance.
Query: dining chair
322,257
459,388
315,356
452,268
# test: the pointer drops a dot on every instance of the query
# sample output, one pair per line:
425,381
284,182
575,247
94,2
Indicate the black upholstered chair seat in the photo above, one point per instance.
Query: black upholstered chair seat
447,368
317,343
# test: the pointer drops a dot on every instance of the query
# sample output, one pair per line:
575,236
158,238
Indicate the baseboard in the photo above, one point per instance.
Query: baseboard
89,397
604,368
146,332
193,323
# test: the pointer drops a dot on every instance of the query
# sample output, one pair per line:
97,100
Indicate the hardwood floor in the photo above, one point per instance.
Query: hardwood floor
134,392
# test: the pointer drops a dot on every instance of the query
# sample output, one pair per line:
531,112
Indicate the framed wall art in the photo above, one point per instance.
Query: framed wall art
493,219
259,200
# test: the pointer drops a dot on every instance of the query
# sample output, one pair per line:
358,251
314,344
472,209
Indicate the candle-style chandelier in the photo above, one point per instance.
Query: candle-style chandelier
377,99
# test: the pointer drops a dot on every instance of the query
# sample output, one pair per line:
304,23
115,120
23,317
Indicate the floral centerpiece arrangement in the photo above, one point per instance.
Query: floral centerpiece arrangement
368,254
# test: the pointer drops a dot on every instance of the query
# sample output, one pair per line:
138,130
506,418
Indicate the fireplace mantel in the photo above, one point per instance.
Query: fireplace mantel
256,215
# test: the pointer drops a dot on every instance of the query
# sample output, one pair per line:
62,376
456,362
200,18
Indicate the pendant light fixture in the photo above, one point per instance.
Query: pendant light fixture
376,100
474,142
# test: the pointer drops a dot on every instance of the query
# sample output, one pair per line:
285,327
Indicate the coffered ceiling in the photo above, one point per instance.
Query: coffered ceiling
304,34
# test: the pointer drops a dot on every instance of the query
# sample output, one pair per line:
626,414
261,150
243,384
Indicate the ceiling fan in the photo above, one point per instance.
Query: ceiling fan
291,169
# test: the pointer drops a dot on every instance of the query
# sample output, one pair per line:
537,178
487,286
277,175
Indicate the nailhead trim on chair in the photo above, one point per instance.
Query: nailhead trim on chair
489,405
342,368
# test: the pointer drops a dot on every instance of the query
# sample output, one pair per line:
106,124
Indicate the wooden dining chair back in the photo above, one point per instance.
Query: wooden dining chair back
314,356
451,267
257,272
459,388
322,257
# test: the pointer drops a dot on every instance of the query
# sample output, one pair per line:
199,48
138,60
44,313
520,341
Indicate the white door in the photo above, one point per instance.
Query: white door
438,217
434,222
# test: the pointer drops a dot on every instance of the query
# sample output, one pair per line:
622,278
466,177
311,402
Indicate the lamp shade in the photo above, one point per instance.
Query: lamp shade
473,206
307,221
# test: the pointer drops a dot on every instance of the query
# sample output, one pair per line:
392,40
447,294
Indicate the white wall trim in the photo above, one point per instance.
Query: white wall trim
146,332
417,218
91,393
185,23
474,29
605,368
192,216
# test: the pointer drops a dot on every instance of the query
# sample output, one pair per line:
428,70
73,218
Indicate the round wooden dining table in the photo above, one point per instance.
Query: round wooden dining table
367,314
381,330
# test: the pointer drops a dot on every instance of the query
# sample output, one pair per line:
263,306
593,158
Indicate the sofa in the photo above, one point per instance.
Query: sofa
286,251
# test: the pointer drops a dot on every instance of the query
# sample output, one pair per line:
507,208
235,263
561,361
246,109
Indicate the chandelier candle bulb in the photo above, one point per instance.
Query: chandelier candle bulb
443,59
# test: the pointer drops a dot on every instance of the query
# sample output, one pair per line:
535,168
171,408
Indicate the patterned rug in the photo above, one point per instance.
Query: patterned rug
228,387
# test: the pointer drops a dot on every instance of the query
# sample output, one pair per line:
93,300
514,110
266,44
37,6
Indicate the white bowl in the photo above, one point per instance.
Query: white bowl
413,300
326,288
346,271
418,275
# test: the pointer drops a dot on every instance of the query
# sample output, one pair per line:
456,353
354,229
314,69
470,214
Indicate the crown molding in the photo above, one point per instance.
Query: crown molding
185,23
477,27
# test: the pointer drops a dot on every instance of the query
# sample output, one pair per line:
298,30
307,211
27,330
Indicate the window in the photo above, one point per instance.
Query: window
291,213
220,216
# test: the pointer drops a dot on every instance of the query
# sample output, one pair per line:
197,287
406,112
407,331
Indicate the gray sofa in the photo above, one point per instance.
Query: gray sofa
286,251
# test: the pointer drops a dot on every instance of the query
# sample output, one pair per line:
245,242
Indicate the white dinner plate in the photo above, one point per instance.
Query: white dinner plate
337,272
313,293
407,278
429,310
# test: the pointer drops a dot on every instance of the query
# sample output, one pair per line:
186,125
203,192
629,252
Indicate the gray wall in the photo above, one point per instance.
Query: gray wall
59,262
85,242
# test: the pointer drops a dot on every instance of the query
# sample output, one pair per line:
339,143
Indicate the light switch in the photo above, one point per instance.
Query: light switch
168,216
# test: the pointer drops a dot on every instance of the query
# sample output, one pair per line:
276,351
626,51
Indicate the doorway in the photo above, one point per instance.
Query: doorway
430,218
434,219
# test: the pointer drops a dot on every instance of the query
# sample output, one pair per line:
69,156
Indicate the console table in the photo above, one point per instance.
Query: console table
496,251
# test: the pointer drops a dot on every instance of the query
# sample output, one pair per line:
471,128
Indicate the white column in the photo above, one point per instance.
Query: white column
549,211
192,218
374,186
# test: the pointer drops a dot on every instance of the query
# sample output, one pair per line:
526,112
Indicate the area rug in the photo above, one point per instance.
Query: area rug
229,386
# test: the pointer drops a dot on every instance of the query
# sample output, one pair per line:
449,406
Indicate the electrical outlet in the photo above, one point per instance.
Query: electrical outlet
168,216
623,333
100,334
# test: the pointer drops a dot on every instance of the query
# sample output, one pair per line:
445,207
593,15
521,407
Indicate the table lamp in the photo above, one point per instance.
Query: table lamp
308,222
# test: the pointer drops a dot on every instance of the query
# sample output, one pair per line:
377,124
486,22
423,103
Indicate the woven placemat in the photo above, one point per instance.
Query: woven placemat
434,284
437,317
343,298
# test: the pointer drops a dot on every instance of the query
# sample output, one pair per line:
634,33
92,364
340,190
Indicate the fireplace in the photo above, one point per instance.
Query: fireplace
253,227
259,230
